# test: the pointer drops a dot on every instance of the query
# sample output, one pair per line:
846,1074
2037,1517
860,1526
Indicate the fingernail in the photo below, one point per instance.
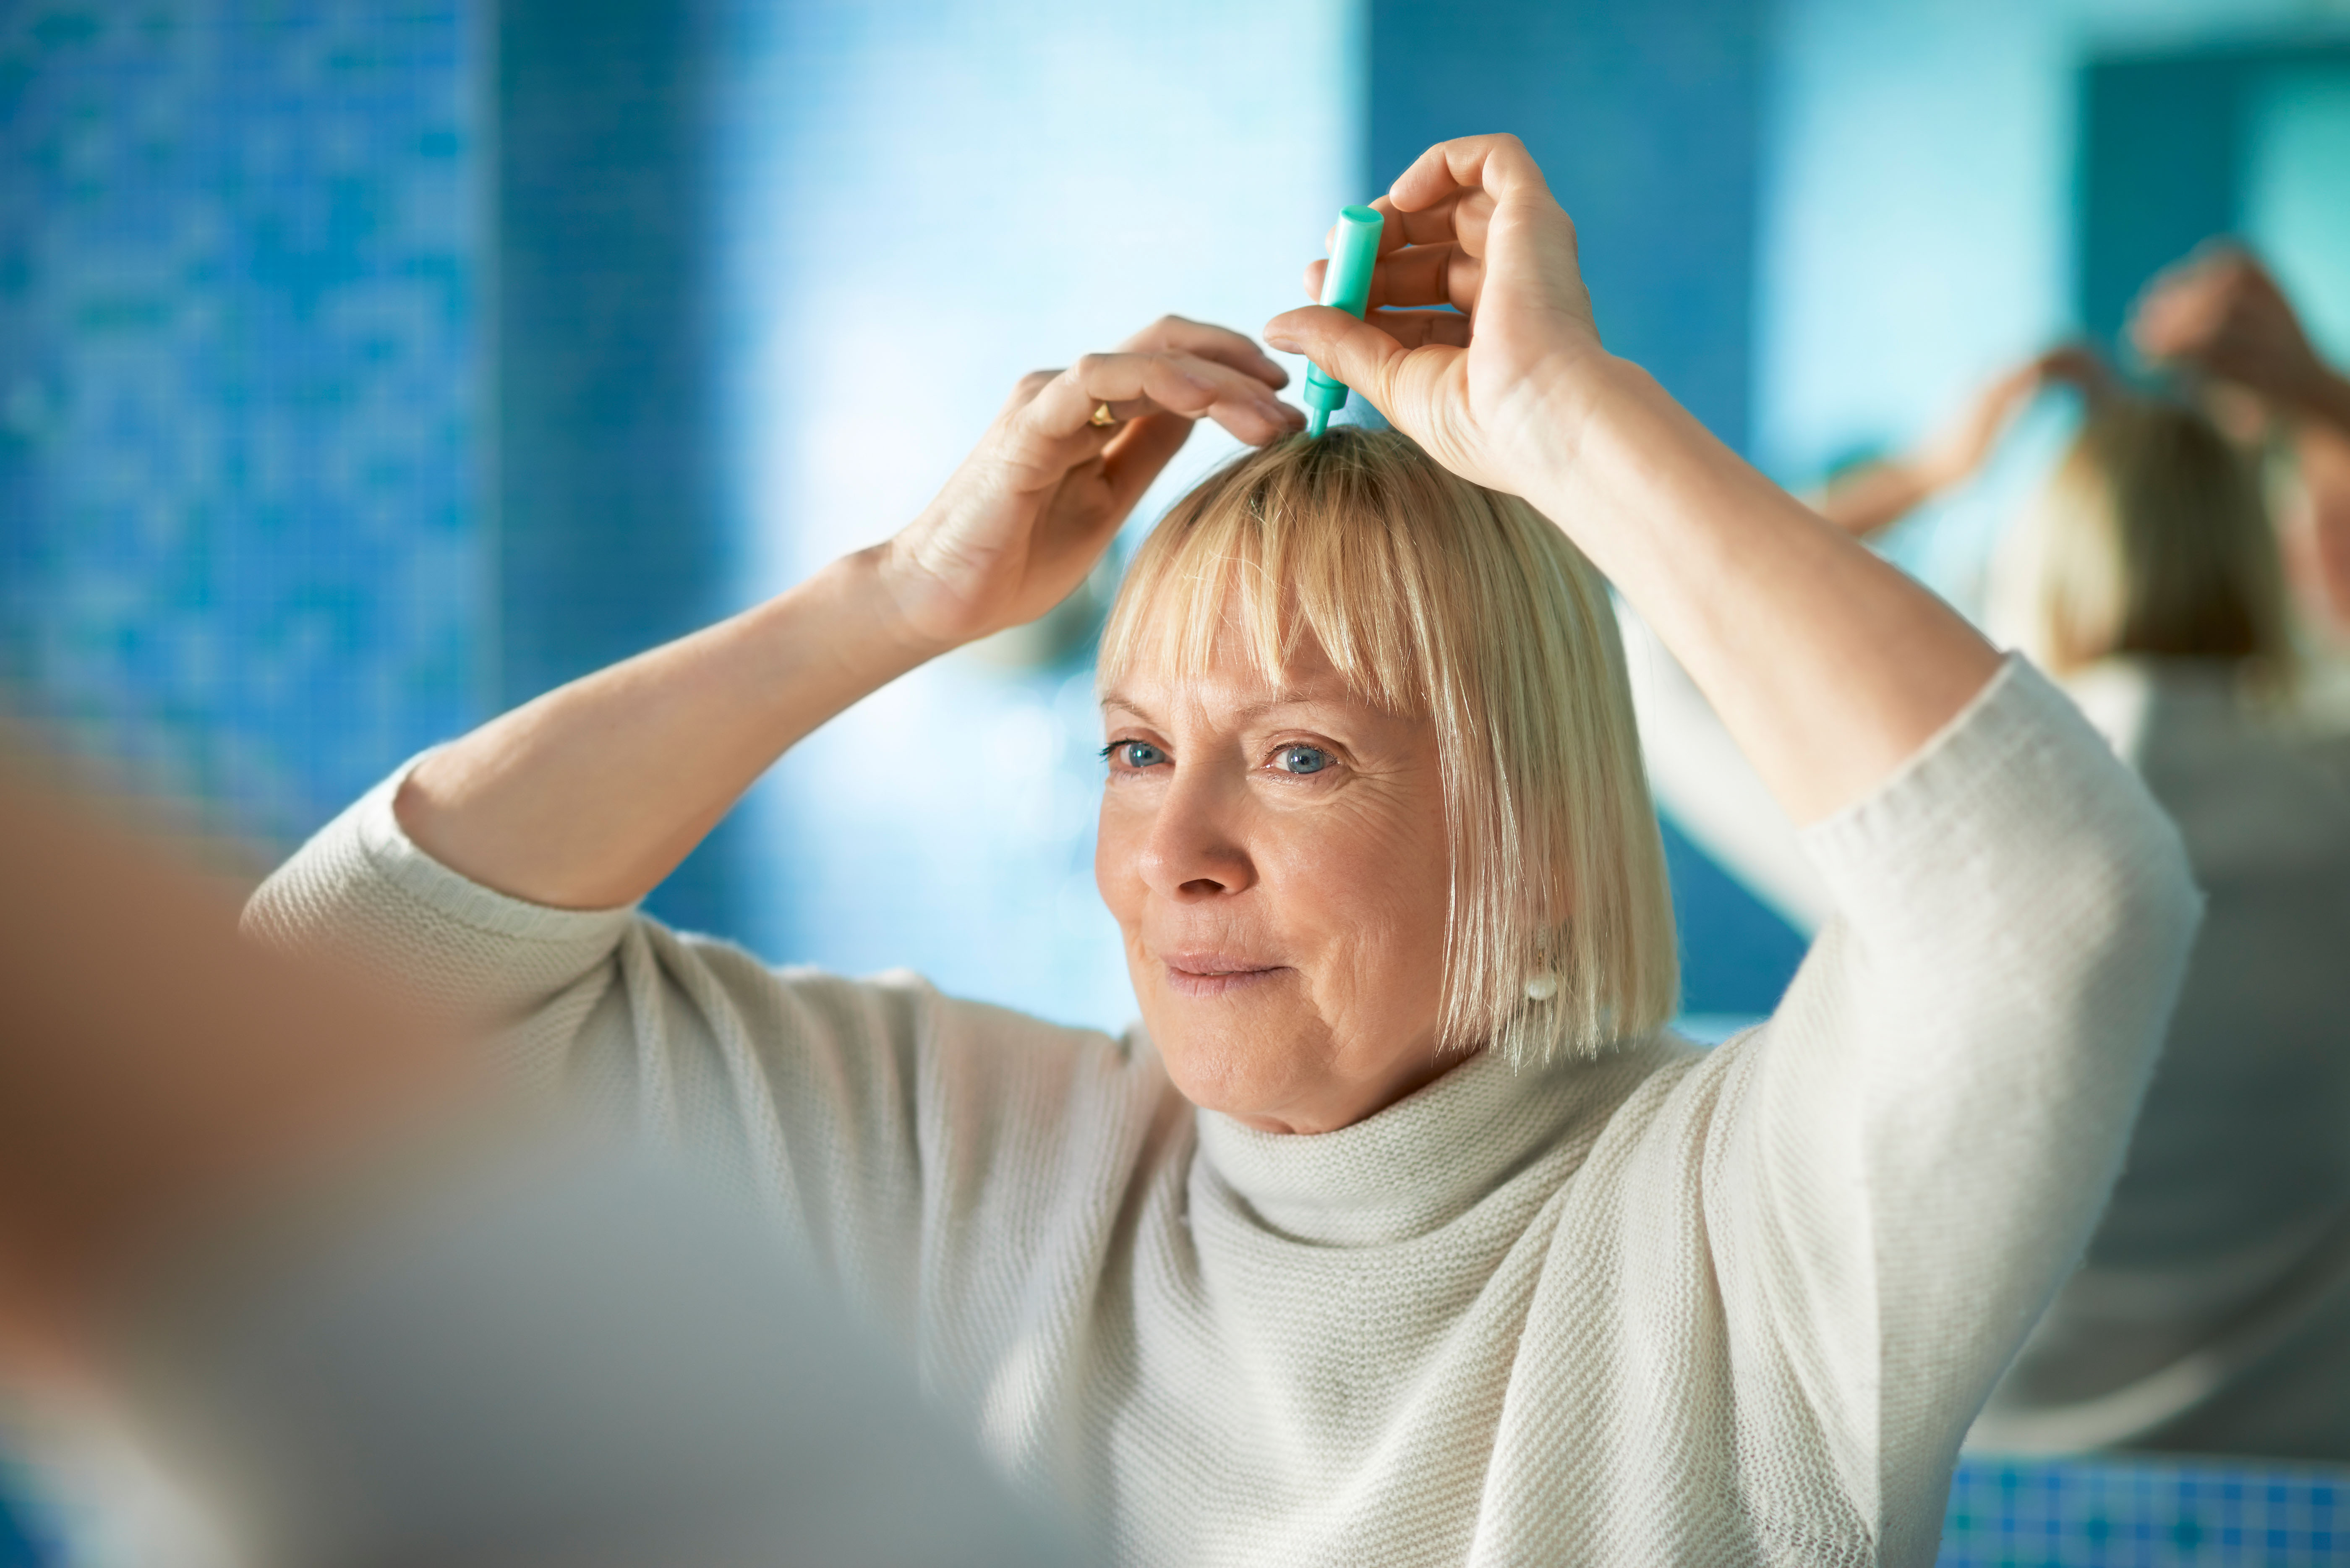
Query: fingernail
1281,340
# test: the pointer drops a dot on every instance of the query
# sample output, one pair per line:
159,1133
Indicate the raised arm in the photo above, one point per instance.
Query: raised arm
589,796
1905,1161
1828,666
2219,314
1876,495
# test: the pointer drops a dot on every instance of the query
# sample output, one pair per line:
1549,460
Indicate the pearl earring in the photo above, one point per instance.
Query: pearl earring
1543,987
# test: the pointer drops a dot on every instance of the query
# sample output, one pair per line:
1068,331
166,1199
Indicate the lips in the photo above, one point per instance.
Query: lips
1215,974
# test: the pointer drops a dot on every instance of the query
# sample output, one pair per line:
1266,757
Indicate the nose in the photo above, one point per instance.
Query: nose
1195,849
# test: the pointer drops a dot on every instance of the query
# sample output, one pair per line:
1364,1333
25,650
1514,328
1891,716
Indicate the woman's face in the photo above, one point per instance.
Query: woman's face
1276,861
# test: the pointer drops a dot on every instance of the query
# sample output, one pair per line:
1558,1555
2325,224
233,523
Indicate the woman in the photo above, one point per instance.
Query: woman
1399,1233
2212,1311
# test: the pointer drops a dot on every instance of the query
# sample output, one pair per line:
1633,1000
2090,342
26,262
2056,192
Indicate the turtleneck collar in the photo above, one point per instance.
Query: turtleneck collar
1427,1159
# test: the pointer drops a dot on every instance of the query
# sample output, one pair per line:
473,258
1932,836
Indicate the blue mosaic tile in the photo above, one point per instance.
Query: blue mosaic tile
241,539
2123,1513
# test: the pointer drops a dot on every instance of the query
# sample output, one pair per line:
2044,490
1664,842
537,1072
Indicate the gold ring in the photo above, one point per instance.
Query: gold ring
1103,419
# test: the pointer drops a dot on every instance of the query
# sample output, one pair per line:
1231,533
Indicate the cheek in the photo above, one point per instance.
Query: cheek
1118,837
1374,886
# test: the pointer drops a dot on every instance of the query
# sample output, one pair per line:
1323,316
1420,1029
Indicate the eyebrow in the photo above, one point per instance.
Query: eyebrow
1247,710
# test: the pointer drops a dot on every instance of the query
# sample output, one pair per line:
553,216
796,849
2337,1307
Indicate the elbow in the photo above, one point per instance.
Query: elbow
2135,911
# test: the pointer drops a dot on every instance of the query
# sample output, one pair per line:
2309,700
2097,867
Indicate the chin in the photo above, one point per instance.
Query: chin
1243,1072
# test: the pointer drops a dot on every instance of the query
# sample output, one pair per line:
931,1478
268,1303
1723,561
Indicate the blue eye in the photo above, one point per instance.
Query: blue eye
1133,754
1301,759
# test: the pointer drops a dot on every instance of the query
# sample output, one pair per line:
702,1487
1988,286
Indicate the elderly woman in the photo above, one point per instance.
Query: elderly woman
1400,1232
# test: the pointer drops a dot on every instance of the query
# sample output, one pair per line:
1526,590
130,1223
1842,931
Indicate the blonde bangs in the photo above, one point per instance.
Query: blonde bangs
1242,554
1431,596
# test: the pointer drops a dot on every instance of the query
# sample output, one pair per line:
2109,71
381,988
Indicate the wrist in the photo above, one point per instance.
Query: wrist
1602,419
1577,411
1929,473
890,592
836,636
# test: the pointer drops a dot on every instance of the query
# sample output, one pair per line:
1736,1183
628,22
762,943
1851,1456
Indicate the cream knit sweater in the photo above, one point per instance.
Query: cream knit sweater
1667,1307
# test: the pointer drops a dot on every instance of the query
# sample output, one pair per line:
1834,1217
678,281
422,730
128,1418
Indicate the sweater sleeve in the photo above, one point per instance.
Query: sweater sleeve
362,888
1927,1128
1706,785
921,1150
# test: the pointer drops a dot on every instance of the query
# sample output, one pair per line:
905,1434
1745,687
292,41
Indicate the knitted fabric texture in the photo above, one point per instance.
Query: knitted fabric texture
1671,1306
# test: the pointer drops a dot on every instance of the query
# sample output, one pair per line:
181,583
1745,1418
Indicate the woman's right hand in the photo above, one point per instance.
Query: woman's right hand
1039,499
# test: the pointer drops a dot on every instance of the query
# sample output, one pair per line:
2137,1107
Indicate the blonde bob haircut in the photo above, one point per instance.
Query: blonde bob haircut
1432,596
2151,538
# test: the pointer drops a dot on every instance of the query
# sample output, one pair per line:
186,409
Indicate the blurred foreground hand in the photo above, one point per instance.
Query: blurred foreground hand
270,1212
158,1072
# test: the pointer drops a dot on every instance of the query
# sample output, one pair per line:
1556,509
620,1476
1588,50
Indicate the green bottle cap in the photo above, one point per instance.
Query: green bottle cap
1353,250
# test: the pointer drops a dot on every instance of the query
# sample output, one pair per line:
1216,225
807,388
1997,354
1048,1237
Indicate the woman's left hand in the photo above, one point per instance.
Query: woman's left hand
1491,385
1829,667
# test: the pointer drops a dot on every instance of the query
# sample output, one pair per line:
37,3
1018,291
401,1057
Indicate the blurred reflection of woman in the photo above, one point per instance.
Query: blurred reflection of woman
1400,1232
2212,1311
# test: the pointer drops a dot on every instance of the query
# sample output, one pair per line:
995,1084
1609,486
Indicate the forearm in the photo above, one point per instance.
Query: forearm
1876,498
589,796
1828,666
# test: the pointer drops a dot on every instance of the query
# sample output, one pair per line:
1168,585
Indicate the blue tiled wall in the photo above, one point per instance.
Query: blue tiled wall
2129,1512
240,539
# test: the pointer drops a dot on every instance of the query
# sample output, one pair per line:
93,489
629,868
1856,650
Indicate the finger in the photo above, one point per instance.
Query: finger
1427,226
1208,341
1139,454
2183,320
2192,292
1357,352
2221,256
1499,166
1171,382
1414,329
1132,385
2158,321
1120,414
1428,275
1025,391
1421,274
1459,222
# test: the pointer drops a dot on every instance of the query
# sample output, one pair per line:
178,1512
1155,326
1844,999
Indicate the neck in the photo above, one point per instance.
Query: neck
1330,1110
1430,1156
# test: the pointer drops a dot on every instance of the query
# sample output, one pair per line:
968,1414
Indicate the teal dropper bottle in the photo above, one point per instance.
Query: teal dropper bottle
1354,248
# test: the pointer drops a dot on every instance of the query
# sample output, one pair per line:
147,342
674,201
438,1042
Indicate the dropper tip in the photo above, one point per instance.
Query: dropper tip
1316,421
